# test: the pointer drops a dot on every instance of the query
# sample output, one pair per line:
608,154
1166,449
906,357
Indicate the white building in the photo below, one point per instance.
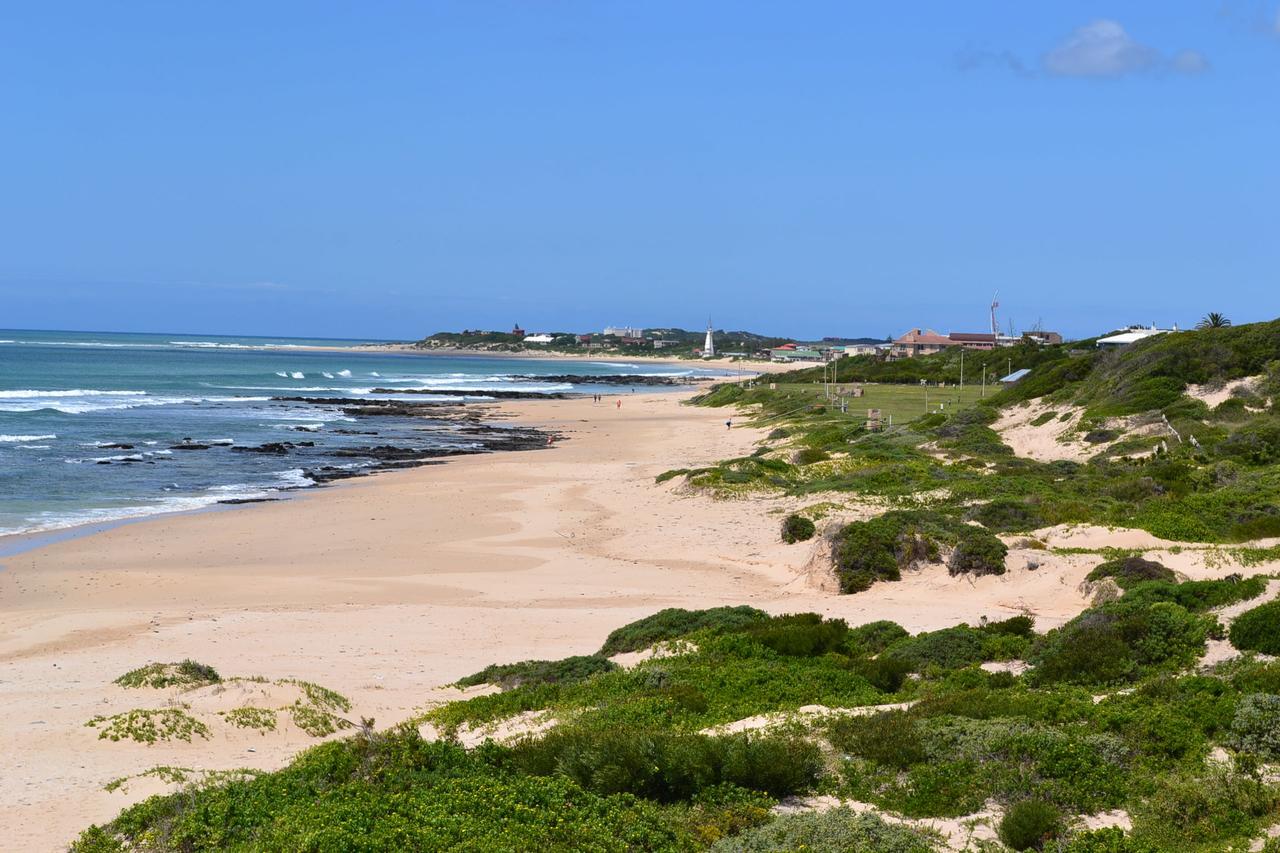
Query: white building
539,339
709,347
623,331
1131,336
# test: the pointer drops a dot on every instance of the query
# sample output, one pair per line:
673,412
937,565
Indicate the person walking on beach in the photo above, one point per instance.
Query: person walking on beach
728,424
619,402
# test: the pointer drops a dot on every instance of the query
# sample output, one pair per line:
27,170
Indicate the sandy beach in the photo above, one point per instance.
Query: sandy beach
388,587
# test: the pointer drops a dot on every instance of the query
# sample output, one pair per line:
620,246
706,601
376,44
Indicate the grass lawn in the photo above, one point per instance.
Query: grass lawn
902,403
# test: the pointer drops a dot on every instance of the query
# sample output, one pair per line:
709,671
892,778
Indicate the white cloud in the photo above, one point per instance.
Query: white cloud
1100,49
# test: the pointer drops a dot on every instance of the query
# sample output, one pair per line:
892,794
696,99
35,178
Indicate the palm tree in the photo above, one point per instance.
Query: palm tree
1213,320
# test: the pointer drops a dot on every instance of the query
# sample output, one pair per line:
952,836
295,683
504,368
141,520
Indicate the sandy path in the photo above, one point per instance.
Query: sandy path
386,587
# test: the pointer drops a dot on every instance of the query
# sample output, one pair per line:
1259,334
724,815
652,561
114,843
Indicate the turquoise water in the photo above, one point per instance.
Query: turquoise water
65,396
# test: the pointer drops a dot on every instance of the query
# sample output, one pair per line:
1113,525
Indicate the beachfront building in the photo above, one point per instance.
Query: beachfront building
539,339
975,340
790,352
623,332
919,342
1131,336
517,331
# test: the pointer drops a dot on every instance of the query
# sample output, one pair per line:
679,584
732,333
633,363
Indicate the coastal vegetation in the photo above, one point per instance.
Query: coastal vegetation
1135,448
891,731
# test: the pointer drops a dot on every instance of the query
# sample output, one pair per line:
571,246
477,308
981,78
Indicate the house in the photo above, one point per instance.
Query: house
919,342
517,331
1131,336
658,343
1042,337
539,339
864,349
974,340
790,352
633,340
584,339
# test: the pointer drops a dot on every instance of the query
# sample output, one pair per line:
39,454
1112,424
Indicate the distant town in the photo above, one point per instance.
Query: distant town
741,345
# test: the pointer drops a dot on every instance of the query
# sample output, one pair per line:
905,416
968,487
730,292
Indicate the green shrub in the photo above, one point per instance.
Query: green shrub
1256,727
949,648
1007,515
1258,630
568,670
1185,810
1016,626
1128,571
797,528
1028,824
889,738
1043,418
836,829
674,622
800,634
669,766
1119,641
880,548
390,792
1197,596
886,674
188,673
810,455
978,553
874,637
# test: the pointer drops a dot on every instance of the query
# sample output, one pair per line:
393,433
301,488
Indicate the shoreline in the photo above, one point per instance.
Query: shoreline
387,588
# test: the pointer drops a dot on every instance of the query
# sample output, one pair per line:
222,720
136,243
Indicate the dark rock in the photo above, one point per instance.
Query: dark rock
278,448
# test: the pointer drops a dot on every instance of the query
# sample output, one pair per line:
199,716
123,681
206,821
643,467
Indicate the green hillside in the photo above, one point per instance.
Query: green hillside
1163,461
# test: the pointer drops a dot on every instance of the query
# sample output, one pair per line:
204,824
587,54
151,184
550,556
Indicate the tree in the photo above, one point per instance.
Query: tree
1213,320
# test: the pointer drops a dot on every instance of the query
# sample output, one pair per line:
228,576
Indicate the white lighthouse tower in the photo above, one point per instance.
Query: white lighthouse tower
709,348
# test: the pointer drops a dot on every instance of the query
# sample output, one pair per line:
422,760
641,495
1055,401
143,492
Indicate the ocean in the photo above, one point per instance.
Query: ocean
99,427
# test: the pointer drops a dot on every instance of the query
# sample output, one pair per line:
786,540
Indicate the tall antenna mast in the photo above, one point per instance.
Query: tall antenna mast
995,327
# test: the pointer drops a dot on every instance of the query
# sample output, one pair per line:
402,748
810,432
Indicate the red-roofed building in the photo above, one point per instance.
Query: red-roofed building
919,342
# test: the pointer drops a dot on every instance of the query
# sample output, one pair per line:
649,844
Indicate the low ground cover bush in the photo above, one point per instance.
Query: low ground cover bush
1186,810
158,676
1256,727
835,829
149,726
797,528
1258,630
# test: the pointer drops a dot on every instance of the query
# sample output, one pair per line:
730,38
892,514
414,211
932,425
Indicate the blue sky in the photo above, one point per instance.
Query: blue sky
392,169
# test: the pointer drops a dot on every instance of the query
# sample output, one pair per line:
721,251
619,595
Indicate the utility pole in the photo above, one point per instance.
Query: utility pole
962,368
926,399
984,381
